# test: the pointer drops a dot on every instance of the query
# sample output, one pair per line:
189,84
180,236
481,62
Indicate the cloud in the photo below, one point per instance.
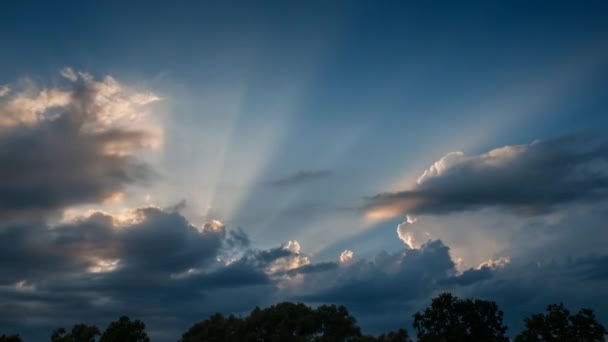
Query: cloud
301,177
526,179
151,262
389,278
346,256
4,90
160,242
69,74
101,265
63,147
483,272
66,146
411,235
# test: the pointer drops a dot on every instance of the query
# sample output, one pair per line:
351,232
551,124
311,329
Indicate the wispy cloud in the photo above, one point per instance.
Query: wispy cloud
301,177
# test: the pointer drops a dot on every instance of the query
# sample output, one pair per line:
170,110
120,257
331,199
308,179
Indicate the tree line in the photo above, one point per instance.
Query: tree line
447,319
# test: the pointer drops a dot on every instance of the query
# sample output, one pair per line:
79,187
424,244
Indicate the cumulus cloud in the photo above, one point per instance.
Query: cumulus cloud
411,235
388,282
301,177
70,146
153,262
157,241
346,256
100,265
527,179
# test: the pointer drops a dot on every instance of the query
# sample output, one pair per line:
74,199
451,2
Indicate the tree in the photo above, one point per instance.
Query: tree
125,330
280,322
80,333
216,328
559,325
460,320
10,338
334,323
400,335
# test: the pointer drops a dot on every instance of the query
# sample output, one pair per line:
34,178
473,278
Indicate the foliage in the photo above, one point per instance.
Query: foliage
280,322
447,319
460,320
125,330
559,325
400,335
80,333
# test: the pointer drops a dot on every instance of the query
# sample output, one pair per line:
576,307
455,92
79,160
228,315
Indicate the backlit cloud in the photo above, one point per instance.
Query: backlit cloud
527,179
70,146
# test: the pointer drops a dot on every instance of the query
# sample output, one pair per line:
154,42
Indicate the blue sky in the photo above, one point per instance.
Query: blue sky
310,122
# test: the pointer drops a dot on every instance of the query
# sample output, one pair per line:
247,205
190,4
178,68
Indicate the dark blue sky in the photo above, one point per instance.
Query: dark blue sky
307,121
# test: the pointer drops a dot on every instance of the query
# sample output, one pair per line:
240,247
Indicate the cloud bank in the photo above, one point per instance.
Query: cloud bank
526,179
78,143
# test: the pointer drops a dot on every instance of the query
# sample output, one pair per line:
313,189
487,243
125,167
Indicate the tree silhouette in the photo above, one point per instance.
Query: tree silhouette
216,328
10,338
559,325
400,335
334,323
280,322
80,333
460,320
125,330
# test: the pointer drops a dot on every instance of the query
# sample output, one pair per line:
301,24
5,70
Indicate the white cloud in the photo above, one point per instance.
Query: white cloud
292,261
411,235
69,74
346,256
292,246
28,107
440,166
106,104
495,263
104,265
4,90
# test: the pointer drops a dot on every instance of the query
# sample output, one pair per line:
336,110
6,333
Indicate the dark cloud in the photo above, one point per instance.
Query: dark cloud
160,242
172,273
301,177
150,262
313,268
470,276
61,148
528,179
409,274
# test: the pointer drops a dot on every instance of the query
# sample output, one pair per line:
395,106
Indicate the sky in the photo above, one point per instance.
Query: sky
169,160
